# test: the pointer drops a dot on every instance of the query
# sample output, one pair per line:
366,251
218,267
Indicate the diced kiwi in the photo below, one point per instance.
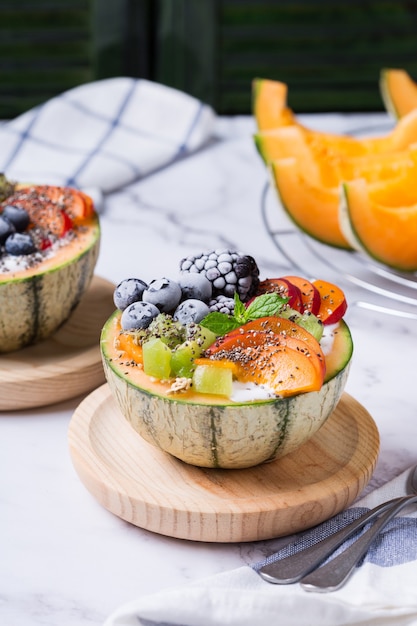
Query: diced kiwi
156,358
308,321
171,332
213,380
203,336
182,360
312,324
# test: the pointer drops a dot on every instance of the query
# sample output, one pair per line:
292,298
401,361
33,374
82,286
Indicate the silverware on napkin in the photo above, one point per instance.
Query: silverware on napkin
306,565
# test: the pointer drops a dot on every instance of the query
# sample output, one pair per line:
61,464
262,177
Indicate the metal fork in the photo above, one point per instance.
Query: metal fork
298,566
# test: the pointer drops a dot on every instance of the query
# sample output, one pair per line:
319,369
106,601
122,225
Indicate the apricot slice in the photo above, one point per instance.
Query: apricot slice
285,328
284,364
333,303
310,296
284,288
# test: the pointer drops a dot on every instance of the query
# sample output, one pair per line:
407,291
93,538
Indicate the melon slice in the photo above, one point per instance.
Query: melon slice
294,140
309,188
272,113
381,220
398,92
269,104
312,208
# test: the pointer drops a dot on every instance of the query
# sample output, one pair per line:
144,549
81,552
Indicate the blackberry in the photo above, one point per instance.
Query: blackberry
222,304
228,272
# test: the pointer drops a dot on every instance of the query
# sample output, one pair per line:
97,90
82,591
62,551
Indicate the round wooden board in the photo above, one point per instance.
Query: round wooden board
153,490
64,366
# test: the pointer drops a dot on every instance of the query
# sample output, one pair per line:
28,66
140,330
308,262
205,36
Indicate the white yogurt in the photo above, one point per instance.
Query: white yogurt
327,340
248,392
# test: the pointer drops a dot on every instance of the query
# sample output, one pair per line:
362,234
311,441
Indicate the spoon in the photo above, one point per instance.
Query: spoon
331,576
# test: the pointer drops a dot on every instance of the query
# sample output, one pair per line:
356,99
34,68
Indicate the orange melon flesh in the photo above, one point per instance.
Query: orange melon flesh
295,140
308,187
398,91
313,208
380,223
125,342
327,165
269,103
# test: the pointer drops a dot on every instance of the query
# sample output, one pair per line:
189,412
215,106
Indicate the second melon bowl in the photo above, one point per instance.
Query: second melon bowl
39,295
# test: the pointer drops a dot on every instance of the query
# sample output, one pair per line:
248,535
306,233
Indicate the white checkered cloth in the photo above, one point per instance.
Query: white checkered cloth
104,134
382,590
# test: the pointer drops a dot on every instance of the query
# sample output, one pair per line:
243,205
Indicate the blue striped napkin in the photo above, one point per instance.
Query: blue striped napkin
382,590
104,134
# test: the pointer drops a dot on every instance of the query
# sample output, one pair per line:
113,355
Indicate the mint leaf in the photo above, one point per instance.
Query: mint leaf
240,311
220,323
265,305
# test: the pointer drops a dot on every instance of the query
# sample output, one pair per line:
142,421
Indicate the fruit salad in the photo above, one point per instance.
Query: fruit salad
219,329
37,220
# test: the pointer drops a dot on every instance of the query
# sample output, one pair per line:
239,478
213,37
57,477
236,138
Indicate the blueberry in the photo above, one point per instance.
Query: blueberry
19,243
128,291
196,286
138,315
164,293
6,229
18,216
191,310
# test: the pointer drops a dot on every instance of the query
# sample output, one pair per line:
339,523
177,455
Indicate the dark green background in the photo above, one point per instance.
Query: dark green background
329,52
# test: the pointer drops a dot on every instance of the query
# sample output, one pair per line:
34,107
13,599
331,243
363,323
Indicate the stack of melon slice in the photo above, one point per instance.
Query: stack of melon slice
343,191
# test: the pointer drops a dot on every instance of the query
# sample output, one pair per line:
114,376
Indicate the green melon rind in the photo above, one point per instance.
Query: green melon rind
231,435
345,222
348,229
260,147
256,90
345,355
27,315
386,95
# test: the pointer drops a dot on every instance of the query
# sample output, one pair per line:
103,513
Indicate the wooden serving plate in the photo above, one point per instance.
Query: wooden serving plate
153,490
64,366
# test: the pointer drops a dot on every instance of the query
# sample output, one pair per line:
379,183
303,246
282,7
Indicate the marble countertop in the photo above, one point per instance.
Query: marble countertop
64,559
